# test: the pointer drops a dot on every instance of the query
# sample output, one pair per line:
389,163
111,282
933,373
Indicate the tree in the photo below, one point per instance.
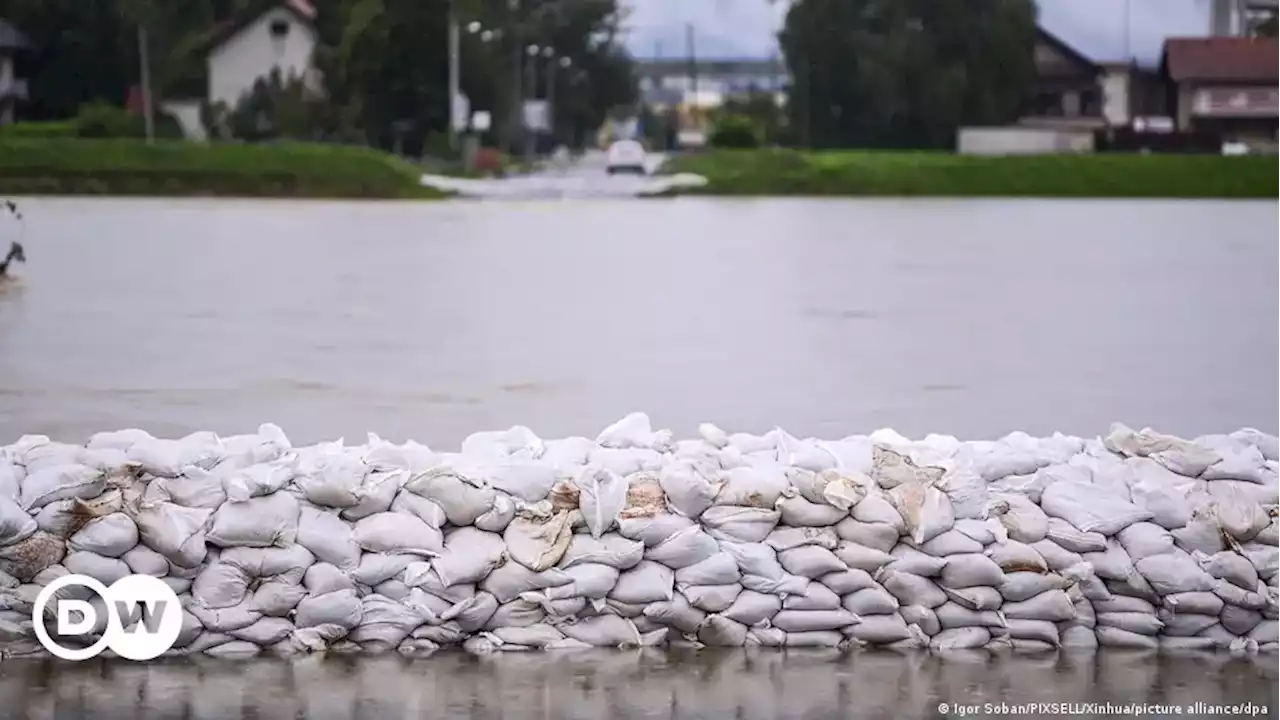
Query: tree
905,73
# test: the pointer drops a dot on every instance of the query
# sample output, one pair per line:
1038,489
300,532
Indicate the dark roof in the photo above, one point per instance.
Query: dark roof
300,9
11,38
1223,59
1064,49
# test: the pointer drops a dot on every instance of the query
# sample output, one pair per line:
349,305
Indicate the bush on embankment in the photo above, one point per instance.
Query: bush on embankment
133,167
854,173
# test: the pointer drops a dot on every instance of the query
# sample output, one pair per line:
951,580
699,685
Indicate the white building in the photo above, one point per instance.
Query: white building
282,38
12,88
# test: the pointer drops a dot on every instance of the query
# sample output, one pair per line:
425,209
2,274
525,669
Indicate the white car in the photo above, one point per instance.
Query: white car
626,156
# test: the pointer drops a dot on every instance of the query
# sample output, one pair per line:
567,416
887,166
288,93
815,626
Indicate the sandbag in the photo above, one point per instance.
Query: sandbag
645,583
257,522
814,597
1089,509
739,524
925,510
750,607
468,555
874,535
971,570
540,543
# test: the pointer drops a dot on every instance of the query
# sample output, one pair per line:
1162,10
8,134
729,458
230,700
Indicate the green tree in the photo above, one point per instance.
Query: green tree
905,73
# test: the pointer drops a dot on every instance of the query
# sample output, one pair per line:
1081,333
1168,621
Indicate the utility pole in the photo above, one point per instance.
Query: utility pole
551,99
515,114
144,59
455,72
692,56
530,140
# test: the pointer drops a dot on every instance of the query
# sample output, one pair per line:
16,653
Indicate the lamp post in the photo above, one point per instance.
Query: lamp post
562,62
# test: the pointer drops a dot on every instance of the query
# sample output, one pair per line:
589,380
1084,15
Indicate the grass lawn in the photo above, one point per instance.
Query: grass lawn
68,166
868,173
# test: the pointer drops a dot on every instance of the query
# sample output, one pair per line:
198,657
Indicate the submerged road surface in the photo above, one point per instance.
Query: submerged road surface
585,177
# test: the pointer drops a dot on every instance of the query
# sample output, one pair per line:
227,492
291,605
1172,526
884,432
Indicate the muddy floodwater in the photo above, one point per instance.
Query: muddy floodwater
827,317
588,685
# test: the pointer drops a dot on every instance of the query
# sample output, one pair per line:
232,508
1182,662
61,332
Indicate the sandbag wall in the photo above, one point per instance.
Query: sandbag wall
1137,540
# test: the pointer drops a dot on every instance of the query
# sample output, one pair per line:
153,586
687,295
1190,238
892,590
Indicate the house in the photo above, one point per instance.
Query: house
281,38
1226,85
12,89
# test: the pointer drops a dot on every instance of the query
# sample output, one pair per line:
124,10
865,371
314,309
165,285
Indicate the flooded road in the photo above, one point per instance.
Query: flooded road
827,317
588,685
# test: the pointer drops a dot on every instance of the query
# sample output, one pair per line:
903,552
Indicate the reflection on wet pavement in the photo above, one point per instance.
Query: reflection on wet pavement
622,685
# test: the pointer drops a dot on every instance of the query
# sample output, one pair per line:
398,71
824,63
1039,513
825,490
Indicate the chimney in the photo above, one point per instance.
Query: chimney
1225,18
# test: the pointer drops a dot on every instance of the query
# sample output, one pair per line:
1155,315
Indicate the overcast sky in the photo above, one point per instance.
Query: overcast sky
746,28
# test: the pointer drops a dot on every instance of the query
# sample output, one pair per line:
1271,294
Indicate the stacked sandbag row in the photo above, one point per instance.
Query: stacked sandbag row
633,539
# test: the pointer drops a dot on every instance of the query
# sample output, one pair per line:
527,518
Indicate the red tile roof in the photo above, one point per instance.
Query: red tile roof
1223,59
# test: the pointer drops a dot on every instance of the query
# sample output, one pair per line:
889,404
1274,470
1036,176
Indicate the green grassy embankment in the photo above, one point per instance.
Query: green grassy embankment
71,166
867,173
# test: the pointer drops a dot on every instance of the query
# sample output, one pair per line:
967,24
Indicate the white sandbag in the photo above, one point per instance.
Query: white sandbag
168,458
257,522
872,601
1265,559
739,524
985,532
342,608
11,477
912,589
110,536
814,597
878,536
952,542
971,570
1174,572
260,479
1033,630
1161,492
1232,567
711,598
926,510
719,631
428,511
645,583
861,557
264,632
1055,557
194,488
1067,536
610,549
908,559
220,585
399,533
625,461
587,580
877,508
1114,637
15,524
829,487
685,547
1239,462
142,560
117,439
713,435
507,581
757,486
676,613
1022,518
810,620
1133,622
848,581
378,491
1020,586
1078,638
1014,556
975,598
953,615
1113,564
277,599
1267,631
176,532
1052,605
786,538
966,490
540,543
602,496
1145,539
1180,456
810,561
103,569
750,607
327,537
1238,620
60,482
652,530
719,569
603,631
1202,603
690,487
225,620
468,555
798,512
634,431
462,496
375,568
964,638
1089,508
920,616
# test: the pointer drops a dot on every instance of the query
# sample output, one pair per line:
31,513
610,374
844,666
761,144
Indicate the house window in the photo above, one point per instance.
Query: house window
279,28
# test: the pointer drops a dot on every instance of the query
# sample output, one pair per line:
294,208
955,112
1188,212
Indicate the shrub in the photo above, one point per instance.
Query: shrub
735,131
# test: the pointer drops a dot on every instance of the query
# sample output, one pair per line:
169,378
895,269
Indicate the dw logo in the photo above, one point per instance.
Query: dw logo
144,617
